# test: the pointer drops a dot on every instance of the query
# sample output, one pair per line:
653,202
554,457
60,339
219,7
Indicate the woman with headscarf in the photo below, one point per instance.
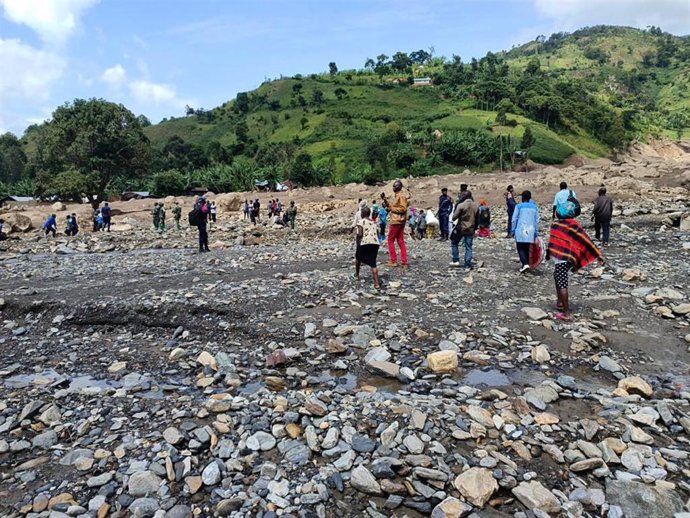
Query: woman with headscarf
484,219
571,249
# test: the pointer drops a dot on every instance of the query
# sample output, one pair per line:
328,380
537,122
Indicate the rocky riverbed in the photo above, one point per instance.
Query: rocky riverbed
139,378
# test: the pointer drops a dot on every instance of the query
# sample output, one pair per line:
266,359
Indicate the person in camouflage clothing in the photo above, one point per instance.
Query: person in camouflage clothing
177,212
161,218
292,214
155,213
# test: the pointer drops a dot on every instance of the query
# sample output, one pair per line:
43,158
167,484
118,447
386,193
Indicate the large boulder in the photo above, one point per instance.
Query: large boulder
639,500
229,202
58,206
15,222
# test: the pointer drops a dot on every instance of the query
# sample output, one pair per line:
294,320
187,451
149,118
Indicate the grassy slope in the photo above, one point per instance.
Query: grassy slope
371,107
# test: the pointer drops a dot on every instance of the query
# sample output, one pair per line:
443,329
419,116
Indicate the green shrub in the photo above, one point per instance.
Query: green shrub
469,146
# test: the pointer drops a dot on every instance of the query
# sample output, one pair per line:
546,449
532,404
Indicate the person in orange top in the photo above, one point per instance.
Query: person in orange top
397,218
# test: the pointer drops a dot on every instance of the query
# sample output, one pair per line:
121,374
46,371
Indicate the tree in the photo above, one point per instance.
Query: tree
401,62
332,68
302,170
369,64
93,141
242,131
304,122
168,183
678,121
340,93
317,97
12,158
144,121
242,103
528,139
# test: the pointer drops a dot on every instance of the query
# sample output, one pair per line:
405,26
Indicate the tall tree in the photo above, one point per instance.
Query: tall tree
90,143
528,140
332,68
12,158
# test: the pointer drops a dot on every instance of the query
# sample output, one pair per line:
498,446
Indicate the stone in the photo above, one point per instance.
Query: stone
172,435
143,483
586,465
295,451
533,494
316,407
179,511
390,369
443,361
261,441
413,444
377,354
540,354
211,474
143,507
639,500
636,385
45,440
535,313
608,364
362,480
207,360
681,309
477,485
451,508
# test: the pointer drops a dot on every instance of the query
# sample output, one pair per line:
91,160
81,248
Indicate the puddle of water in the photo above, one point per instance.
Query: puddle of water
54,380
486,378
252,388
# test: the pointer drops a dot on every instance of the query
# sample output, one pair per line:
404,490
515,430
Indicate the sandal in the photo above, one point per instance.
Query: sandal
563,317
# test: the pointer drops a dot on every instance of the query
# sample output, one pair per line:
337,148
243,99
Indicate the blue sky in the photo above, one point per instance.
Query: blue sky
156,56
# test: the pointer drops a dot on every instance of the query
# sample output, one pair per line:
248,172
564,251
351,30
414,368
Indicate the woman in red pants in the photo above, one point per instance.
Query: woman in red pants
397,220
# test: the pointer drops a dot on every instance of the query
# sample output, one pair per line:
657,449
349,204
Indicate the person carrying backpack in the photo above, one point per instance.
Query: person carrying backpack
199,218
106,213
50,226
565,203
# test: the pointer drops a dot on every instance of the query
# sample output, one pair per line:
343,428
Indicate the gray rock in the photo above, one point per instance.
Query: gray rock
295,451
638,500
143,507
179,511
211,474
99,480
173,436
608,364
45,440
261,441
362,480
143,483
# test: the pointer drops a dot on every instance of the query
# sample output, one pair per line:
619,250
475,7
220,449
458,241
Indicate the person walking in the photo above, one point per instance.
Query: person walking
367,246
421,225
382,222
397,217
213,211
177,213
292,214
106,213
510,207
257,211
246,209
602,214
466,218
50,226
525,227
445,208
155,214
561,199
571,249
484,219
202,210
161,218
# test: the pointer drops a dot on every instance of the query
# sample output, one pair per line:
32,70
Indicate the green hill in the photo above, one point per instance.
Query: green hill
587,93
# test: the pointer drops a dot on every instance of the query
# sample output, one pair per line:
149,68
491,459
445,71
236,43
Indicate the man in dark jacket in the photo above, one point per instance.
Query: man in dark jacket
202,220
602,213
445,207
466,216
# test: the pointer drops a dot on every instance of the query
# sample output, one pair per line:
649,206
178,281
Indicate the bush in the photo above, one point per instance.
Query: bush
469,146
169,183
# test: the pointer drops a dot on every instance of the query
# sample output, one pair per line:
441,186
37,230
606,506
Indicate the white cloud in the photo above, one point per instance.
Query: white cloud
147,92
28,73
53,20
115,75
671,15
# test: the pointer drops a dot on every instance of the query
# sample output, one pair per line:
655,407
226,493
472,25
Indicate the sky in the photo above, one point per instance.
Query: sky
157,56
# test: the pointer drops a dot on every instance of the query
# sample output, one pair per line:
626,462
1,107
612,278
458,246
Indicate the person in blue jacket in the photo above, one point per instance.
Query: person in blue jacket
525,227
50,225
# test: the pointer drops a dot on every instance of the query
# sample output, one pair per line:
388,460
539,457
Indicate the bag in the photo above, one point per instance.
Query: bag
431,219
570,208
536,253
194,216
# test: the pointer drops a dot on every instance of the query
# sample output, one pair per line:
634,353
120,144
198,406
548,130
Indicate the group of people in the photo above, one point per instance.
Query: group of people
158,215
276,212
101,218
569,246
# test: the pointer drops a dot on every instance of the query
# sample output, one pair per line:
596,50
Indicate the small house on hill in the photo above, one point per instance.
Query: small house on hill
135,195
198,191
16,199
422,81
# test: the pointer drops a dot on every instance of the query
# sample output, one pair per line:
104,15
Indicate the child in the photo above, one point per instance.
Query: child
367,246
484,219
382,222
421,224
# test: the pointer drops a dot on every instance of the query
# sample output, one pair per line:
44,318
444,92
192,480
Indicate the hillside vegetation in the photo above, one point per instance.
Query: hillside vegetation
587,93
